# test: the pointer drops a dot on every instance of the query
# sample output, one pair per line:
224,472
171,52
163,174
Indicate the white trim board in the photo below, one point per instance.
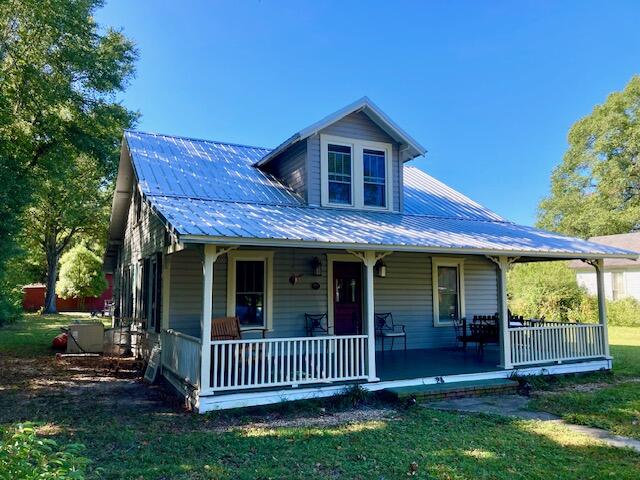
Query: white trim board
238,400
267,258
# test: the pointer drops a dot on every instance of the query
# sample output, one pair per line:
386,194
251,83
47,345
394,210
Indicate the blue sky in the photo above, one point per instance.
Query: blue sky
489,88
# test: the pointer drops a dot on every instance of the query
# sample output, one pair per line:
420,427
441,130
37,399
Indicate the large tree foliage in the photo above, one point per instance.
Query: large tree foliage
69,203
596,188
59,73
81,274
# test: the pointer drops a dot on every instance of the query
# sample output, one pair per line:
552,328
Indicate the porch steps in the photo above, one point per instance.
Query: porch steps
438,391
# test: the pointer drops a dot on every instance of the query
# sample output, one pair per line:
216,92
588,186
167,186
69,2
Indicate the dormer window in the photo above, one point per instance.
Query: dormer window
356,173
339,174
374,178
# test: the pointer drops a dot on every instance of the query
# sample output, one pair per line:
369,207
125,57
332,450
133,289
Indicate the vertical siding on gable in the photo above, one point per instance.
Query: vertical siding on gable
290,167
358,126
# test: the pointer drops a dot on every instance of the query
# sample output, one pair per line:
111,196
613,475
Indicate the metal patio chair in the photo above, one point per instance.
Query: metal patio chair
387,328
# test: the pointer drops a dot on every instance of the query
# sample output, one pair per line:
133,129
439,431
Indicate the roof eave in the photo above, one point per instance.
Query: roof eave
275,242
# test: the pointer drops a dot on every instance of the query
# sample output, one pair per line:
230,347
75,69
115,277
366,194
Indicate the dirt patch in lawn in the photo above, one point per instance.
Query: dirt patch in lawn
45,386
314,419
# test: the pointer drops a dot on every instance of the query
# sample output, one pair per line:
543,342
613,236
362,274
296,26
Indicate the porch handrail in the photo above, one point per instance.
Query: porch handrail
289,361
556,343
271,340
180,354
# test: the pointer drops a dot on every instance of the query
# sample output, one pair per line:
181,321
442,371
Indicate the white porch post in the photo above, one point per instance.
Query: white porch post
602,304
370,259
207,311
503,311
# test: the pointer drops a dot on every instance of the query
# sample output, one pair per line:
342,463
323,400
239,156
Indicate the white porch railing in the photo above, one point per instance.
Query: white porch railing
180,354
243,364
556,343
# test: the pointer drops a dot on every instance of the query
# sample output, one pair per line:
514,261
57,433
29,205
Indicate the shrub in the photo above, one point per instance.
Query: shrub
624,312
544,289
25,455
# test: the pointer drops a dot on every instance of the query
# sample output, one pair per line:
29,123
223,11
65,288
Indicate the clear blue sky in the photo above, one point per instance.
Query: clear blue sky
489,88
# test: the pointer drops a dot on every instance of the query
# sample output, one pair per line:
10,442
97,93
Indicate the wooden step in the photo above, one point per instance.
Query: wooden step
439,391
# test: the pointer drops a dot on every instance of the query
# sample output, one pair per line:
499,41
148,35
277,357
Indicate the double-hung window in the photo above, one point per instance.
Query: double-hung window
356,173
339,174
448,290
249,288
375,166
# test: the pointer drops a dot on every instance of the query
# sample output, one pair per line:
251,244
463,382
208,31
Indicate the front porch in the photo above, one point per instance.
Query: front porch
291,362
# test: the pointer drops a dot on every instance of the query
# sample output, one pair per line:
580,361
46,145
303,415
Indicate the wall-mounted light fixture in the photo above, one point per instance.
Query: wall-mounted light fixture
316,266
381,269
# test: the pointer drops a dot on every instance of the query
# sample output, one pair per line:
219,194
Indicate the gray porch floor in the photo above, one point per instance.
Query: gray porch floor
401,365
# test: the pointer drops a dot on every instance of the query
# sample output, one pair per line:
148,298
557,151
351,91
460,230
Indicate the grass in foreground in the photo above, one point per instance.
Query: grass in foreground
162,442
613,402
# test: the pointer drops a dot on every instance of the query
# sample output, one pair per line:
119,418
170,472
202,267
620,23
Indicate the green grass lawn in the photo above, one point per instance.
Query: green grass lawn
615,405
32,334
163,442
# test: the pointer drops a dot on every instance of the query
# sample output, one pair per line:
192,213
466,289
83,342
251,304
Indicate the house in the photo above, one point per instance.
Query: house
333,223
621,275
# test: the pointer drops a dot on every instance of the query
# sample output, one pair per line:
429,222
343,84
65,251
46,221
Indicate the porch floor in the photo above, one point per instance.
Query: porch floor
401,365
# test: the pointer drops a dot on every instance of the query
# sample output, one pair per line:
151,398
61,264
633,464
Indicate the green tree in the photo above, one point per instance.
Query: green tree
596,188
70,203
59,73
80,274
544,289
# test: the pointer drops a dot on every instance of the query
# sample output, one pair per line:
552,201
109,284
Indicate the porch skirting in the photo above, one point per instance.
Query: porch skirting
224,401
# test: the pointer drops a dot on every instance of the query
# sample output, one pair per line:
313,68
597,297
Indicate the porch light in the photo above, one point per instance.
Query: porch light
316,265
381,269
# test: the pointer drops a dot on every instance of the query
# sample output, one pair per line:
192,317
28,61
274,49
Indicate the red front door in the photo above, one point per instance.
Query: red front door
347,298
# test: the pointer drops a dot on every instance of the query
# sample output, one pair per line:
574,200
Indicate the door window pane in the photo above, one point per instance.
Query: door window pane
448,304
250,283
374,178
339,169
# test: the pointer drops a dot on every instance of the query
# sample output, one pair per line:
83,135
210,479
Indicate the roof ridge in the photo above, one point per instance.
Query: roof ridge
316,207
156,134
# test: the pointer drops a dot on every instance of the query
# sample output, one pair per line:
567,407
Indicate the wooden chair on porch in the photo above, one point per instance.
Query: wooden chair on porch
228,328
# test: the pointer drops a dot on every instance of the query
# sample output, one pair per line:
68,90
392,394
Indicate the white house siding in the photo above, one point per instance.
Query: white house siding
631,283
357,126
406,292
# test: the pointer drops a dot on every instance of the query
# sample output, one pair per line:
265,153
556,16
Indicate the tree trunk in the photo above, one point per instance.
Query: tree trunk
52,274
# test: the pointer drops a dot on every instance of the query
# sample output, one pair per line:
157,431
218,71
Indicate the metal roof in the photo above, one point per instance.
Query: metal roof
186,167
628,241
364,104
424,195
211,191
235,220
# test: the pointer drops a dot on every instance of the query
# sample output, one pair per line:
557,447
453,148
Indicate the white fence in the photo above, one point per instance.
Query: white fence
556,343
181,355
242,364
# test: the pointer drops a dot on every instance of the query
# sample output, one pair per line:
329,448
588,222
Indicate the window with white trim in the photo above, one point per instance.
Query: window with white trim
356,173
339,174
374,177
448,290
249,288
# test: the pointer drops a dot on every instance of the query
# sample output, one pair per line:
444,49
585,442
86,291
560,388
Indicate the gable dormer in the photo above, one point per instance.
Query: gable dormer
350,159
